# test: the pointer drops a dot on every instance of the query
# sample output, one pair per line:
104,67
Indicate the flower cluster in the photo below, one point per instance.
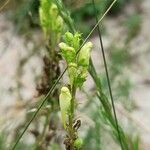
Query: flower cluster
76,58
49,17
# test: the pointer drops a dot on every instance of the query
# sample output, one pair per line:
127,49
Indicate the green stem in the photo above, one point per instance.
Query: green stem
71,116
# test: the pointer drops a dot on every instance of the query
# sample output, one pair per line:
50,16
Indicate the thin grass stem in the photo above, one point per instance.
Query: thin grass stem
2,7
107,76
43,102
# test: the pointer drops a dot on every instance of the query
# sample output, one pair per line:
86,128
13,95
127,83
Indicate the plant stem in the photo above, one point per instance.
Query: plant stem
71,116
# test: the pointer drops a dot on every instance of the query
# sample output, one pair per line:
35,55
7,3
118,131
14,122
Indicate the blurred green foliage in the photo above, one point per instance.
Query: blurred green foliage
93,135
21,145
118,60
2,141
87,11
119,57
26,12
25,15
133,24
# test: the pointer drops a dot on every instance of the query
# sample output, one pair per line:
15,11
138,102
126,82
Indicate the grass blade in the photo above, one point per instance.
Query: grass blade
2,7
108,79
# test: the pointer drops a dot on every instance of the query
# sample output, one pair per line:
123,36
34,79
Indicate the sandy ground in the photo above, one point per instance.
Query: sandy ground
13,48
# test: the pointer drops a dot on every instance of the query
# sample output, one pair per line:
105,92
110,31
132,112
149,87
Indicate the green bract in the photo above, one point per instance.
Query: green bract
77,65
81,76
72,71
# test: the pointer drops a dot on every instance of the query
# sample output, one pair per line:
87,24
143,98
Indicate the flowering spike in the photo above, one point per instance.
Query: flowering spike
50,19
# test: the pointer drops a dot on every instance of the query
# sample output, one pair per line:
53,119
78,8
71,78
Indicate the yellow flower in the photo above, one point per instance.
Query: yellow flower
84,54
65,104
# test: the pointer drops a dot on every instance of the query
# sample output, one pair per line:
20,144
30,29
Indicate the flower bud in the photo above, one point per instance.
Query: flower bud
78,143
53,10
76,41
67,52
68,37
65,104
59,23
84,54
